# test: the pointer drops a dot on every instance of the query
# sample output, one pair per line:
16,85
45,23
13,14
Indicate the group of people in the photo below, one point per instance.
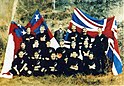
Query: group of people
36,56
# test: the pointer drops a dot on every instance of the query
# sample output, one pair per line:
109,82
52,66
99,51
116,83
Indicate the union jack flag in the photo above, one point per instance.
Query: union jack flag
109,28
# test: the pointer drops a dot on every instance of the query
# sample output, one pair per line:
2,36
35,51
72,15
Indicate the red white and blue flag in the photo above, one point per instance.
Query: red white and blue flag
16,32
36,22
109,28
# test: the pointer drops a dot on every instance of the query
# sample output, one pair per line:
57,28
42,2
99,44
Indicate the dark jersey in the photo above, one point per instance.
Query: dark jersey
74,36
83,51
85,37
73,66
46,53
18,64
24,51
72,51
91,67
42,38
28,39
36,66
36,49
63,51
52,67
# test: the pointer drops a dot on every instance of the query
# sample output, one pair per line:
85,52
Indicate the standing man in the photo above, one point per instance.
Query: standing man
85,36
74,36
42,37
100,45
60,33
28,38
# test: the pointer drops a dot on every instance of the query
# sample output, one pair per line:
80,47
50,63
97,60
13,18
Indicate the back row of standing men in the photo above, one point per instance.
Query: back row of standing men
36,57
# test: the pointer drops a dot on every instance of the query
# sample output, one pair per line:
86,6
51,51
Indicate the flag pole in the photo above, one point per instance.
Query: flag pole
13,12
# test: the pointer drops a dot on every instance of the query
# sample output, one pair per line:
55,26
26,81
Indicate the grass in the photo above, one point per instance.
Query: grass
49,80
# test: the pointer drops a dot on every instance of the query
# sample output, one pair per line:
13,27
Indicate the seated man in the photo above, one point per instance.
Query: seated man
42,37
46,53
35,64
62,55
74,63
91,66
20,65
52,64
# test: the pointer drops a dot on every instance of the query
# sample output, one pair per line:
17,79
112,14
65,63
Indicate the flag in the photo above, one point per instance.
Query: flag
36,22
113,51
81,20
16,32
114,57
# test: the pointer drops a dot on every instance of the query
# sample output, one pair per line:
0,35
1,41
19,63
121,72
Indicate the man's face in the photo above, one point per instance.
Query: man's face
36,43
21,54
53,56
61,43
73,44
48,44
36,55
42,29
73,28
84,30
74,55
23,45
85,42
28,30
91,56
99,30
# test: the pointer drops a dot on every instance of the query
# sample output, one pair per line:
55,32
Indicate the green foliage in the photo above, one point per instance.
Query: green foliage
121,33
1,44
96,8
3,29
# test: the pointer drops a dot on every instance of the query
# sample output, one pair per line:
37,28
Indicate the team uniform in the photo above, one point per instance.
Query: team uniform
85,37
28,39
46,53
42,38
52,67
20,66
74,36
62,55
74,63
91,67
36,65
